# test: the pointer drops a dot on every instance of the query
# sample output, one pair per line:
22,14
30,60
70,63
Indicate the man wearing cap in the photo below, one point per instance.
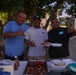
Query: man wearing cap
34,37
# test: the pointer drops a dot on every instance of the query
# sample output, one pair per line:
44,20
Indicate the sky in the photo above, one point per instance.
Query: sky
67,7
64,14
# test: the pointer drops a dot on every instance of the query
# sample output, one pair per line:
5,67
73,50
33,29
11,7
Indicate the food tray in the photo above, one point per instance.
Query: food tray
36,68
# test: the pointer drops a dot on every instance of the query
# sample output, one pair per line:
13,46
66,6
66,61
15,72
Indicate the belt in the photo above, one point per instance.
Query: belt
36,57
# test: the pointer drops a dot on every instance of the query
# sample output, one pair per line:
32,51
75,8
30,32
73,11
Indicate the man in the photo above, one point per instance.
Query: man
35,36
13,34
61,36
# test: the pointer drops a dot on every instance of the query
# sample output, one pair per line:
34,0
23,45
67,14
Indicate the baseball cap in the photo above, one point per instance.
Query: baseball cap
36,17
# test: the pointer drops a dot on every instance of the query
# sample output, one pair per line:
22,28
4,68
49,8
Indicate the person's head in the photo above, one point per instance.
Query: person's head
20,17
55,23
36,22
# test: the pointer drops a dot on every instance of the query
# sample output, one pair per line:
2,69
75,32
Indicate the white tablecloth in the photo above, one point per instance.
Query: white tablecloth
23,65
21,68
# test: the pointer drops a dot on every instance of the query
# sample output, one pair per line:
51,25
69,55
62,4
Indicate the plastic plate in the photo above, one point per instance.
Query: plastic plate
56,44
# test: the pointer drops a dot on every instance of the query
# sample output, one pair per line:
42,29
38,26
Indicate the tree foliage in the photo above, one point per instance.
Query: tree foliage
40,7
11,6
72,9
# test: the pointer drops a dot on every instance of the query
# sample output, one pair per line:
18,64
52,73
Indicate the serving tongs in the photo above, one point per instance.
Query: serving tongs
54,63
37,67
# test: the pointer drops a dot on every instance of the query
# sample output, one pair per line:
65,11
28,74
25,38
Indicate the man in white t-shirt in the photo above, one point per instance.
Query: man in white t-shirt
34,37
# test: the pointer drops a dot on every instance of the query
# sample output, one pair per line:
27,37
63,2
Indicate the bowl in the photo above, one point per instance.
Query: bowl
72,67
58,65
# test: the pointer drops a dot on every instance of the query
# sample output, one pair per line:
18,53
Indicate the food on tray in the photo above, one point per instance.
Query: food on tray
32,70
39,63
36,67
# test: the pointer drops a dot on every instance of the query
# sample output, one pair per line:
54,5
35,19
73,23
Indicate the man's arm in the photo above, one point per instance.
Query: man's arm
28,43
72,31
11,35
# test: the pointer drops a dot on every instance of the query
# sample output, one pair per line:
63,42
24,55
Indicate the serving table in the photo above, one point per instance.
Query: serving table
23,65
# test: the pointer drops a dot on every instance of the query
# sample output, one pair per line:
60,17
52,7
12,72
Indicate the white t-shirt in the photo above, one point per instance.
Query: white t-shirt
38,36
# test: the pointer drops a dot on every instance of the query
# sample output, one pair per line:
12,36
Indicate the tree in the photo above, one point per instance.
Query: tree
40,7
72,9
11,7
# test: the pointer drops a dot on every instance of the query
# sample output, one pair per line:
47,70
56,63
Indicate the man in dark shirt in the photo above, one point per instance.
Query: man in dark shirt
62,36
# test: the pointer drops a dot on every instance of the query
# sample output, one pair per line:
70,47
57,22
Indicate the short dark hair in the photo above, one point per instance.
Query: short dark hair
19,12
36,17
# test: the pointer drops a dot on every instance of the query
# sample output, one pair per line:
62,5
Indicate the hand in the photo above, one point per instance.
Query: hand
71,30
20,33
32,44
46,43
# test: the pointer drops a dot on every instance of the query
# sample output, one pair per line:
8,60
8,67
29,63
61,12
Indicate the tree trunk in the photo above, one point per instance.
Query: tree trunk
33,13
